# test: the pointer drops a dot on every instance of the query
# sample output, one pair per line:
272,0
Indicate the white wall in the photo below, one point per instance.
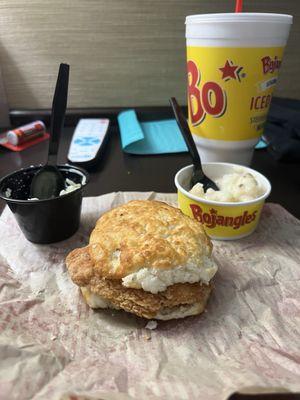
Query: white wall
122,52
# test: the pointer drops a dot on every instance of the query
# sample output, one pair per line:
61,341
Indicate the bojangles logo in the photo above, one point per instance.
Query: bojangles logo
270,65
213,219
206,98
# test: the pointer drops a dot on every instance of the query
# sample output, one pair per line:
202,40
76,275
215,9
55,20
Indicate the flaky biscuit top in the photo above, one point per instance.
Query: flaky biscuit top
145,234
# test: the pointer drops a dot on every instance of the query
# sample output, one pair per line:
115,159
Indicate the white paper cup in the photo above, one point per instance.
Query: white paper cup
221,220
233,62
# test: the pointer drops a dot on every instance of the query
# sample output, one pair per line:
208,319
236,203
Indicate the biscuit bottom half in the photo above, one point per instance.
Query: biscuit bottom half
177,301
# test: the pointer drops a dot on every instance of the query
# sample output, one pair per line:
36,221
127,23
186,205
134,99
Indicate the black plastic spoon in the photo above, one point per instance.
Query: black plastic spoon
48,181
198,175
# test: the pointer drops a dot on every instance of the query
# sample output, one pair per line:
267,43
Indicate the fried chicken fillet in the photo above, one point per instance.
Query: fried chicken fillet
147,258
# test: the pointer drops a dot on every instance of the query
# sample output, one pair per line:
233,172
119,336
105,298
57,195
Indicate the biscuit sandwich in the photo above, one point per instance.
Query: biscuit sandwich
147,258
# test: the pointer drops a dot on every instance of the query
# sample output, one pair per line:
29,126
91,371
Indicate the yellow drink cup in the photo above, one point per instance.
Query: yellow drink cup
233,62
221,220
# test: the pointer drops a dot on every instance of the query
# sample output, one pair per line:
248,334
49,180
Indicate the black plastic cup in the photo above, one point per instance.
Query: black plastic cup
44,221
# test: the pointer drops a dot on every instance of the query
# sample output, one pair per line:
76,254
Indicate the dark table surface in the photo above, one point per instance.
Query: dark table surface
118,171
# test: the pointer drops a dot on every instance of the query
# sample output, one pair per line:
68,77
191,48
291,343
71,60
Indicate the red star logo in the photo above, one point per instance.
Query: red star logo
230,71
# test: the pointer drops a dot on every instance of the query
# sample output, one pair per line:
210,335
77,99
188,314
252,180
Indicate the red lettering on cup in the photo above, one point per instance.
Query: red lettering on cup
197,112
260,102
210,99
212,219
213,99
197,212
270,65
248,219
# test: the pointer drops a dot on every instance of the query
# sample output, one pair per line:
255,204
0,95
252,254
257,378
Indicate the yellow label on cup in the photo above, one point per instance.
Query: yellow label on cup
230,90
222,221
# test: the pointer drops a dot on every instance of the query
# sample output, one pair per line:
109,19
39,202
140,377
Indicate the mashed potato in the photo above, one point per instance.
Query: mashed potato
235,187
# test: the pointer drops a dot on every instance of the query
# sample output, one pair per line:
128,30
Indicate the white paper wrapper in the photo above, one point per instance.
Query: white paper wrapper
52,346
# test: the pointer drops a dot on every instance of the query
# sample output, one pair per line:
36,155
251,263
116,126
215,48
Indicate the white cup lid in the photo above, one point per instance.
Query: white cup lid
240,17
